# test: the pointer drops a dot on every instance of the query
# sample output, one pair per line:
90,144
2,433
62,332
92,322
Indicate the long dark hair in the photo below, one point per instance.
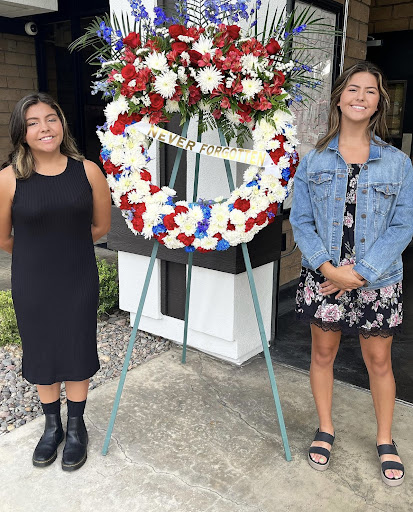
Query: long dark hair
377,125
21,157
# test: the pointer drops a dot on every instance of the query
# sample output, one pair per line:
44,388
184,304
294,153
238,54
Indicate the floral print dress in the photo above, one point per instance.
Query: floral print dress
365,312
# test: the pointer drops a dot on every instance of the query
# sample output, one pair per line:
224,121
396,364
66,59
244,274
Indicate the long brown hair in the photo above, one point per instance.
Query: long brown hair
377,126
21,157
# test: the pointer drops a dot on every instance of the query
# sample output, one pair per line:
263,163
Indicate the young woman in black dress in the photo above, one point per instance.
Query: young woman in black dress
57,204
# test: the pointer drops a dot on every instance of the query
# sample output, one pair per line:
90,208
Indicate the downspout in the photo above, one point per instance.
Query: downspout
343,41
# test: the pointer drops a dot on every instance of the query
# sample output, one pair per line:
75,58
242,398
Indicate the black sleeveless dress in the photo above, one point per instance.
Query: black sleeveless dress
55,283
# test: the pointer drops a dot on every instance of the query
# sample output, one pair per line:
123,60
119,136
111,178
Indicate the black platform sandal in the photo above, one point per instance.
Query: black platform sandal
326,438
390,449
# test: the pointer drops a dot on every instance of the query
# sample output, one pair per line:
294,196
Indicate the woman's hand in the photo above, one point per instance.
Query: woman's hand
340,279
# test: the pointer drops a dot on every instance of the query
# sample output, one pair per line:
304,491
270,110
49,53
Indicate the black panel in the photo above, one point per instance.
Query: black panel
173,285
264,248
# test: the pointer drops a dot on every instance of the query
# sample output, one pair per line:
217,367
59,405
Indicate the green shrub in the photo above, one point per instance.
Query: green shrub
9,332
109,288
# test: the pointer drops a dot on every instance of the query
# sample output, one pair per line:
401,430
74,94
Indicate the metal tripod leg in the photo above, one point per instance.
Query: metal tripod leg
260,322
139,312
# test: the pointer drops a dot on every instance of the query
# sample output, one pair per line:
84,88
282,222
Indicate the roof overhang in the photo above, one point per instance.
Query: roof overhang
17,8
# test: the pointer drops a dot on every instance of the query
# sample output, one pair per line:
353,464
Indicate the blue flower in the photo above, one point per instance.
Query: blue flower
231,207
285,173
222,245
189,248
160,228
252,183
119,45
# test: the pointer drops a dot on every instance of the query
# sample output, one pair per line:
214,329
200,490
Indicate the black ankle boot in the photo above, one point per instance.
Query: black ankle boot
75,450
46,450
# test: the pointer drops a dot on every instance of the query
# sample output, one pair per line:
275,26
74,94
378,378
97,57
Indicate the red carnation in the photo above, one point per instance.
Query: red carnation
242,204
249,224
177,30
154,189
180,209
146,176
124,203
110,168
273,46
140,209
137,223
157,102
186,240
179,47
133,40
261,218
230,226
169,221
128,72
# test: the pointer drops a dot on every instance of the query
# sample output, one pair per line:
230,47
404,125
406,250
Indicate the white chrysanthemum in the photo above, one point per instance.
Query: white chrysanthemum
169,191
264,131
237,217
283,162
232,237
147,231
209,78
134,197
114,108
251,173
204,45
219,199
185,39
165,84
172,242
290,132
135,159
232,117
251,87
157,62
204,106
146,101
117,156
142,187
172,106
136,137
209,243
249,63
196,214
166,209
288,147
273,144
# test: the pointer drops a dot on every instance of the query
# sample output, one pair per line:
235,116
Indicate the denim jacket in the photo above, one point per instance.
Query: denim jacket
384,212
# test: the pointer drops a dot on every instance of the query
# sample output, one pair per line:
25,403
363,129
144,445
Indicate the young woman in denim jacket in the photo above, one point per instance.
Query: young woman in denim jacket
352,264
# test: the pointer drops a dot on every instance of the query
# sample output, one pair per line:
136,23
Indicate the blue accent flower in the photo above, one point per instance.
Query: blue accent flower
252,183
222,245
189,248
285,173
231,207
160,228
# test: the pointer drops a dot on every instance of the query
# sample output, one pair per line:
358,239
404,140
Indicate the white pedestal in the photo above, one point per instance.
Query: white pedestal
222,319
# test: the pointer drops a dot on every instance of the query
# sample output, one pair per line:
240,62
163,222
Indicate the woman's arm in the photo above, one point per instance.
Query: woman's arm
101,200
396,237
7,190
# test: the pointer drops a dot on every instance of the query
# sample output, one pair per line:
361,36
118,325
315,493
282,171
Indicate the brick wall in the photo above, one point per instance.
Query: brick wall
18,78
390,16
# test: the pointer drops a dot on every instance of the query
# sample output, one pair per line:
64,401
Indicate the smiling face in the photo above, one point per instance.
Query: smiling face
359,99
44,130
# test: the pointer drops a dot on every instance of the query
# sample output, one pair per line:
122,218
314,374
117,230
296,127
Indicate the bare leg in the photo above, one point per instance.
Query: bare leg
76,391
323,353
377,357
49,394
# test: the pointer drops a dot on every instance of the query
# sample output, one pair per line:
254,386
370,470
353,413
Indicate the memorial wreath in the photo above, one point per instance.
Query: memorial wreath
205,67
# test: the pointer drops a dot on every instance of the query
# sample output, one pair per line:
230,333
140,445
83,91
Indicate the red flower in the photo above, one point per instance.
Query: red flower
133,40
128,72
242,204
157,102
194,95
201,249
276,154
261,218
129,56
145,175
169,221
110,168
179,47
217,113
137,223
225,103
272,47
194,56
177,30
186,240
233,31
249,224
124,203
117,128
140,209
180,209
230,226
154,189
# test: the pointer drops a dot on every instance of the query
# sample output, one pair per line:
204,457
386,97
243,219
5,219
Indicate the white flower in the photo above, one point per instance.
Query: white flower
186,39
249,63
204,106
165,84
209,78
146,101
114,108
273,144
209,243
196,214
251,87
204,45
118,78
251,173
157,62
185,59
283,163
182,74
232,117
169,191
172,242
172,106
237,217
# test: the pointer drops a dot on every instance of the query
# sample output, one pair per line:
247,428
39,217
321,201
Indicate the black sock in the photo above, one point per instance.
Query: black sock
52,408
75,409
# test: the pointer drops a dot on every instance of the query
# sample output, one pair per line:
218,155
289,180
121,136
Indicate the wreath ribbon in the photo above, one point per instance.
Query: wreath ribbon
241,155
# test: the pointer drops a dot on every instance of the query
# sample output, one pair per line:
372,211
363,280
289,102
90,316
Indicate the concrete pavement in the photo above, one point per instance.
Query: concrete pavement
204,437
